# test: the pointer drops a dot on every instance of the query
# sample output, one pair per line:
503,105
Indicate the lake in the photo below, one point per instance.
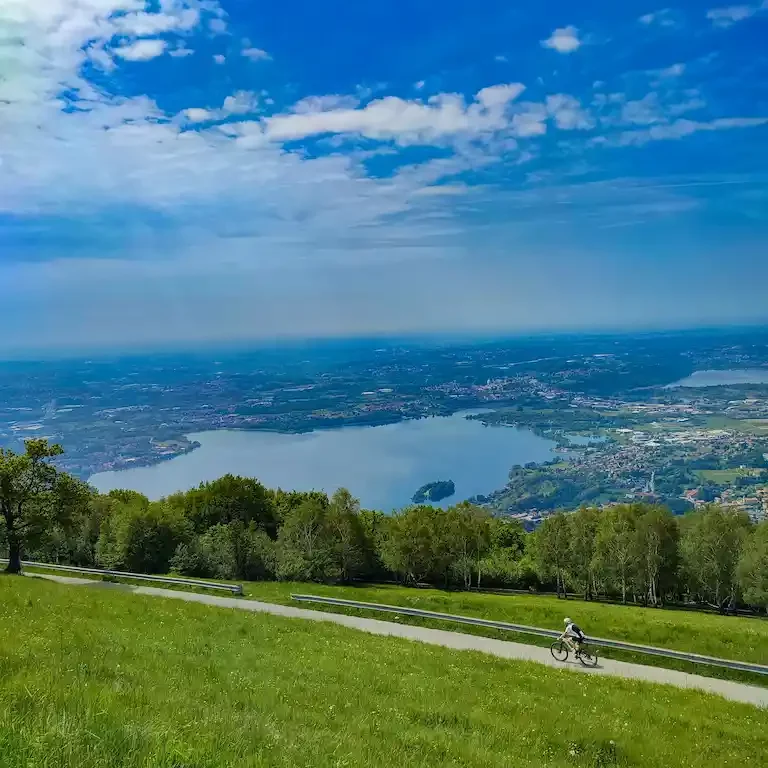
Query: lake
383,466
721,378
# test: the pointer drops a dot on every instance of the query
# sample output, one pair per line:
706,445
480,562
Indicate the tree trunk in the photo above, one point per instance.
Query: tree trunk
14,554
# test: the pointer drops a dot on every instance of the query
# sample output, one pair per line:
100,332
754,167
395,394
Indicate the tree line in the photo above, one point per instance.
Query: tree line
235,528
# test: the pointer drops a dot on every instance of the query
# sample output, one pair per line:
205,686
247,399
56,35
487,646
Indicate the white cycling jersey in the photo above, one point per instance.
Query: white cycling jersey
573,630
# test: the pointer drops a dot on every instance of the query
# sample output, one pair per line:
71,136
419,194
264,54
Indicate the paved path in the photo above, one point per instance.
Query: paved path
460,641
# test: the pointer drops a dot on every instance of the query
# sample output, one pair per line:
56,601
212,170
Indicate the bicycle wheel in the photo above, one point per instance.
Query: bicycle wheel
559,650
587,657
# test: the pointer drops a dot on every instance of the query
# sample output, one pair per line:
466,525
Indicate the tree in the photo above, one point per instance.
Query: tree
583,529
34,496
410,545
509,560
74,541
140,538
479,523
232,551
753,567
615,550
304,548
344,527
286,501
711,549
553,549
228,499
373,526
83,533
455,529
656,553
465,534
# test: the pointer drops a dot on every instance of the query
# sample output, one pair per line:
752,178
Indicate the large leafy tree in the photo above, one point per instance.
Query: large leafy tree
141,536
615,550
413,546
711,548
467,531
753,567
228,499
305,548
35,496
656,553
553,549
583,530
343,522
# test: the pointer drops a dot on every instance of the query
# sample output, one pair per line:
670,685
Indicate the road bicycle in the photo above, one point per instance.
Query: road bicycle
586,655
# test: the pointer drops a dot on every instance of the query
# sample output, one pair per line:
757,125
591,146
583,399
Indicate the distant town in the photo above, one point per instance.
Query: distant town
622,431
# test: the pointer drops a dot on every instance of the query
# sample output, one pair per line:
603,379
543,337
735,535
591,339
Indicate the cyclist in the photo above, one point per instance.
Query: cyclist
573,635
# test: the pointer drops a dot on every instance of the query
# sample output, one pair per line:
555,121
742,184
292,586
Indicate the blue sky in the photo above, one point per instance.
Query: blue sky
204,170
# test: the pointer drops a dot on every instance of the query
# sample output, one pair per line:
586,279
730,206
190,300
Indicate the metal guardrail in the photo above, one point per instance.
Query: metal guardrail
235,589
741,666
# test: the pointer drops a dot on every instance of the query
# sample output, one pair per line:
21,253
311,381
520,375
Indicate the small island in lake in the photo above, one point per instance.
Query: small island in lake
436,491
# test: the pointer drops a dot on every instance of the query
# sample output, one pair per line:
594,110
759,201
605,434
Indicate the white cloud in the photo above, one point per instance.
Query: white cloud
199,115
531,120
501,58
326,103
665,17
255,54
732,14
564,40
682,128
218,26
645,111
654,108
419,85
220,58
142,24
498,95
404,121
240,103
567,113
441,190
181,53
691,102
676,70
141,50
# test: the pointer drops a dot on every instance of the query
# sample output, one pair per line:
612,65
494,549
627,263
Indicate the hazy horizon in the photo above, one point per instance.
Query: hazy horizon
436,339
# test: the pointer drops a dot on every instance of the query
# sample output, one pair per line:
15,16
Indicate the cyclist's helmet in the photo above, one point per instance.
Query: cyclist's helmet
566,621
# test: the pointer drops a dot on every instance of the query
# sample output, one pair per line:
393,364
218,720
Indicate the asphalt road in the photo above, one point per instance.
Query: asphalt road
728,689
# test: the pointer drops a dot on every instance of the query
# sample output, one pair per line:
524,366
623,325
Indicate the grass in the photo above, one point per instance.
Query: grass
102,679
750,426
724,476
727,637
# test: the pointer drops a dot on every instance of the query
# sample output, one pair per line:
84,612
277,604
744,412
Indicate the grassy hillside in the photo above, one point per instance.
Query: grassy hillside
100,678
728,637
